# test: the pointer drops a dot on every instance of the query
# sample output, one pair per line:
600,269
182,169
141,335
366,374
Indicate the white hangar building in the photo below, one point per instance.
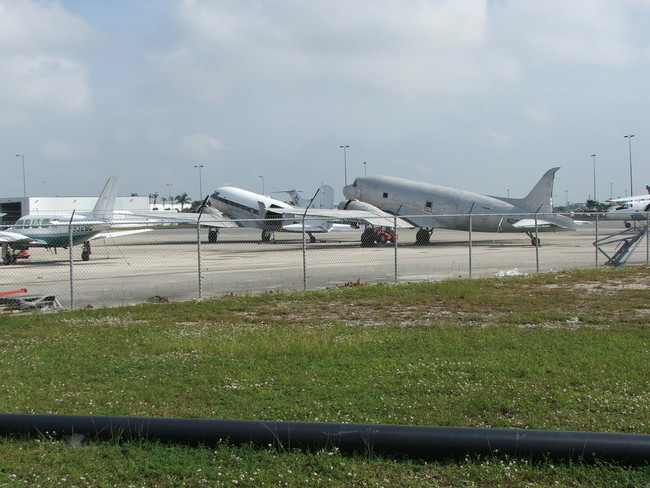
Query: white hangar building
14,208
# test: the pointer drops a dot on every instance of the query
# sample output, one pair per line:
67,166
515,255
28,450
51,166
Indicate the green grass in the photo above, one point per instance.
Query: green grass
566,351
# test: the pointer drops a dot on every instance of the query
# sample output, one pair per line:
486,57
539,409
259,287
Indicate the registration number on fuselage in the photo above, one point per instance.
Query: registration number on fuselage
82,228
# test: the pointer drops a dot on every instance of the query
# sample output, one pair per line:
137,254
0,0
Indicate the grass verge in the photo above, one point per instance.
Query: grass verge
566,351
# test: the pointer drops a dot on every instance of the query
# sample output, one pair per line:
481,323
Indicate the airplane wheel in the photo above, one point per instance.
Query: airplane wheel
535,241
628,225
213,235
8,258
367,238
85,255
422,237
266,236
382,239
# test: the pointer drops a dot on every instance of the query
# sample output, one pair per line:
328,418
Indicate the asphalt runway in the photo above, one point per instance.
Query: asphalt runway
164,264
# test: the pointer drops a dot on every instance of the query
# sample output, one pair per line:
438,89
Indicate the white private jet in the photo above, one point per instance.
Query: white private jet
249,209
630,212
56,230
430,206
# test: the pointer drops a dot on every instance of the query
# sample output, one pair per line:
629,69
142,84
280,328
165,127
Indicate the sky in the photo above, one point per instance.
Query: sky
482,95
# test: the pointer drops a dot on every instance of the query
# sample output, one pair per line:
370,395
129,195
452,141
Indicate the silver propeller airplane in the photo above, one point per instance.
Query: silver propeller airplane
430,206
54,230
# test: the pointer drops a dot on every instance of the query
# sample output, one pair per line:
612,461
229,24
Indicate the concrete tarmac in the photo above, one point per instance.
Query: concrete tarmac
164,264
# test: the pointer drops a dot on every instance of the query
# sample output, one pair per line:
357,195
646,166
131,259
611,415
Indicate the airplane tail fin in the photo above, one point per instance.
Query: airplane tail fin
540,198
103,209
324,198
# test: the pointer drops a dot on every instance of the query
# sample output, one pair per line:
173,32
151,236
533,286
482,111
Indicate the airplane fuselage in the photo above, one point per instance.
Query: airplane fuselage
54,230
431,206
249,209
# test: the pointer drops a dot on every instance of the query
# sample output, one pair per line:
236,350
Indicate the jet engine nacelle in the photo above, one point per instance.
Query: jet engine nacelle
357,205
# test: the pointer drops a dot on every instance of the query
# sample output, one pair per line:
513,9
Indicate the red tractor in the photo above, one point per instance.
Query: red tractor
377,235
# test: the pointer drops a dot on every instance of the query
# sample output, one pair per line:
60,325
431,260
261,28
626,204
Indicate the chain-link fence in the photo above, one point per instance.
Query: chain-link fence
172,262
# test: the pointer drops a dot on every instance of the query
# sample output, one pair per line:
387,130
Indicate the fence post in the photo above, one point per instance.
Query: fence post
304,254
198,245
395,245
537,242
70,243
596,230
470,240
304,242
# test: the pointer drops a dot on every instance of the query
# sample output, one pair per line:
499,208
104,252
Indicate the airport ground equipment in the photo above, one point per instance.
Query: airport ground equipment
373,235
423,442
625,242
15,300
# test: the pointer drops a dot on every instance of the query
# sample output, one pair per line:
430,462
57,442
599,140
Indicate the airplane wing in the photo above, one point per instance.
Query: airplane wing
210,217
13,238
337,216
119,233
529,224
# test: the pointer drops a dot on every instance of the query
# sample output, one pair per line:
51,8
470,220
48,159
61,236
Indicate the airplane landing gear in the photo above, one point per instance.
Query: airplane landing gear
213,234
85,253
423,236
534,241
8,258
267,236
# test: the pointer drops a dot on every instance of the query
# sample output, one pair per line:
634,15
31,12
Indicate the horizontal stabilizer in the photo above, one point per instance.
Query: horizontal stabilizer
529,224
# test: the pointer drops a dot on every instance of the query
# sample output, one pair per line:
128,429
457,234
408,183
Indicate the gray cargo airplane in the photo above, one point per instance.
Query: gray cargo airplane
430,206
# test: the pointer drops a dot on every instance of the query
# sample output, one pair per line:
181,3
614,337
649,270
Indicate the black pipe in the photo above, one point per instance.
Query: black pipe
412,441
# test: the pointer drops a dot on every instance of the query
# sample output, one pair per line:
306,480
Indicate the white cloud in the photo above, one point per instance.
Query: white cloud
200,146
39,70
591,32
537,112
428,48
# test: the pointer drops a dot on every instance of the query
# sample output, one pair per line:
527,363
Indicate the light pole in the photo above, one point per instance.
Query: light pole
199,166
364,169
594,158
24,181
169,189
262,177
345,162
629,144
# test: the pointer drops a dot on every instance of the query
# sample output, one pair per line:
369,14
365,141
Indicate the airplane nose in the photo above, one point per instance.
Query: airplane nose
349,191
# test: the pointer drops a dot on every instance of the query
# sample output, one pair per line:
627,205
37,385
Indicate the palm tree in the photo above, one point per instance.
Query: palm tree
183,199
154,197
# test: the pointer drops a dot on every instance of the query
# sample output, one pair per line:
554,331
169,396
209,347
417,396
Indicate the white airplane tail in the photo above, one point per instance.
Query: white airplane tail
103,209
540,198
324,198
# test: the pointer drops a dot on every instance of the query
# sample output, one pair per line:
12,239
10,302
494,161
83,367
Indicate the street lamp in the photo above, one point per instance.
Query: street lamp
364,169
261,176
594,158
169,189
24,183
629,143
345,162
199,166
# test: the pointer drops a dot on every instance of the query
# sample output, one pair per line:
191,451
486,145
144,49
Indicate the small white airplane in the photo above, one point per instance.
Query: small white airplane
636,199
430,206
630,212
249,209
54,230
